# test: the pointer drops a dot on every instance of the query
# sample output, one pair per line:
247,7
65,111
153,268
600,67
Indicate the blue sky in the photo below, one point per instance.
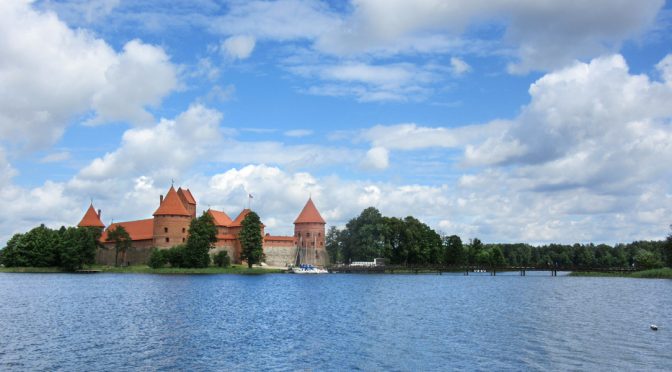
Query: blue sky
532,121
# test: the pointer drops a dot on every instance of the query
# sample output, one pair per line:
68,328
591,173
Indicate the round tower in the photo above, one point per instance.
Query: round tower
309,230
171,221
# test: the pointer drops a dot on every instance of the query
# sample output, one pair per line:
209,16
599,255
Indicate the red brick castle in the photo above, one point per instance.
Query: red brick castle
169,226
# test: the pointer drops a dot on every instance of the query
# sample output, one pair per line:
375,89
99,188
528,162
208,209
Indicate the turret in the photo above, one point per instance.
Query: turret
91,218
171,221
309,230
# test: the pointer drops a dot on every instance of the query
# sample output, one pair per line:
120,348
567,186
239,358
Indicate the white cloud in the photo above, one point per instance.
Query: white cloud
376,158
239,46
141,77
175,144
665,68
459,66
50,74
298,133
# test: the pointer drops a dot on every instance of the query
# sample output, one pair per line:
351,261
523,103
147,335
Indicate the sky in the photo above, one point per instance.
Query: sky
530,121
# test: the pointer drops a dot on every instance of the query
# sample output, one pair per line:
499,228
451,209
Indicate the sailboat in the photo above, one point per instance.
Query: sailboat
302,266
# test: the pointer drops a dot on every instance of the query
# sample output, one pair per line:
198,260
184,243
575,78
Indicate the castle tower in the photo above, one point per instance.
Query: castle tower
187,200
171,221
309,230
91,218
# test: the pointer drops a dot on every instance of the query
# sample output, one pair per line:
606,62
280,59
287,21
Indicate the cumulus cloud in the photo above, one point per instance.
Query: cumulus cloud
50,74
376,158
238,47
175,144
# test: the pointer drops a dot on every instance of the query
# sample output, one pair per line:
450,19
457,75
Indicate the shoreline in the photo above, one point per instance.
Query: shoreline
144,269
664,273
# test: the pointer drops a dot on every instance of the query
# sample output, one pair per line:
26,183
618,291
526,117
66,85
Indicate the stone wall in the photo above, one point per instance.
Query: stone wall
230,246
279,253
170,230
138,254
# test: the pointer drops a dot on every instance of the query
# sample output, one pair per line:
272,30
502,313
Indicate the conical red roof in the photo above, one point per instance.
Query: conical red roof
309,214
91,218
172,205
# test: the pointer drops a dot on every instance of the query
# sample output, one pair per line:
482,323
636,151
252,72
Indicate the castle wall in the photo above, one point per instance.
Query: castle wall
170,230
279,252
138,254
231,247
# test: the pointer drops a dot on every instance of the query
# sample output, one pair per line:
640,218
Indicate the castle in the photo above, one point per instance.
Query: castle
169,226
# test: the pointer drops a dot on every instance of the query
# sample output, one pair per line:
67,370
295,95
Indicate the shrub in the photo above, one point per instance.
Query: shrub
222,259
158,258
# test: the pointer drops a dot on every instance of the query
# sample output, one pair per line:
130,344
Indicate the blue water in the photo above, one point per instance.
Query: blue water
333,322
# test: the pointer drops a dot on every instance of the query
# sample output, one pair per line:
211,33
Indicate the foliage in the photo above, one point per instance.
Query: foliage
202,238
333,244
668,250
647,260
122,242
158,258
77,246
251,240
453,251
69,248
221,259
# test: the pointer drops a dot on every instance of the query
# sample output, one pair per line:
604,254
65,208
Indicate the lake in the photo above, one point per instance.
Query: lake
333,322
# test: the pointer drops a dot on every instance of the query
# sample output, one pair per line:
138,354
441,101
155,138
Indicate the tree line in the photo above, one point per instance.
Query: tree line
408,241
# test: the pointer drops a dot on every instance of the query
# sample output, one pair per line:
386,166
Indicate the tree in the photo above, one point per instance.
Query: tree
497,257
251,240
333,244
647,260
453,252
158,258
202,238
668,250
77,246
122,241
475,248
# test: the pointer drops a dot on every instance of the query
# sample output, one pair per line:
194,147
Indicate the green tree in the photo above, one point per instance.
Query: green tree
122,242
37,248
668,250
453,251
364,236
497,257
251,240
202,238
333,244
474,249
647,260
77,246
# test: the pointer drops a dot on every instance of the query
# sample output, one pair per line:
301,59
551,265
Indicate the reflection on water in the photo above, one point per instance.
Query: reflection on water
332,322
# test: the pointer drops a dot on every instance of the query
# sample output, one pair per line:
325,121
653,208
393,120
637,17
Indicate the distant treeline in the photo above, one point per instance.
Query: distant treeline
410,242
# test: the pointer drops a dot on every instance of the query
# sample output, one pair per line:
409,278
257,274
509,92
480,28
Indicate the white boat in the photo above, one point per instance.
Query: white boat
308,269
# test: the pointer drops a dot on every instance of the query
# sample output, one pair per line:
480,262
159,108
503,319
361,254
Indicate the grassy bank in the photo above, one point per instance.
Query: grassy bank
144,269
664,273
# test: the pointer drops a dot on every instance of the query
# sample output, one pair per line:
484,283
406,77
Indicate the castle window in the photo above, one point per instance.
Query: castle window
184,230
165,229
167,240
307,235
319,234
183,239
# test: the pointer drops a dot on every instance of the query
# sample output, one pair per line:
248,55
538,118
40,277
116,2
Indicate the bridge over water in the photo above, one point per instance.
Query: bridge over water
468,269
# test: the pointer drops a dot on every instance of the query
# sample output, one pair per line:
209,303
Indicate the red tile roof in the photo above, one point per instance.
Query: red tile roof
91,218
138,230
172,205
309,214
239,220
220,218
186,194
